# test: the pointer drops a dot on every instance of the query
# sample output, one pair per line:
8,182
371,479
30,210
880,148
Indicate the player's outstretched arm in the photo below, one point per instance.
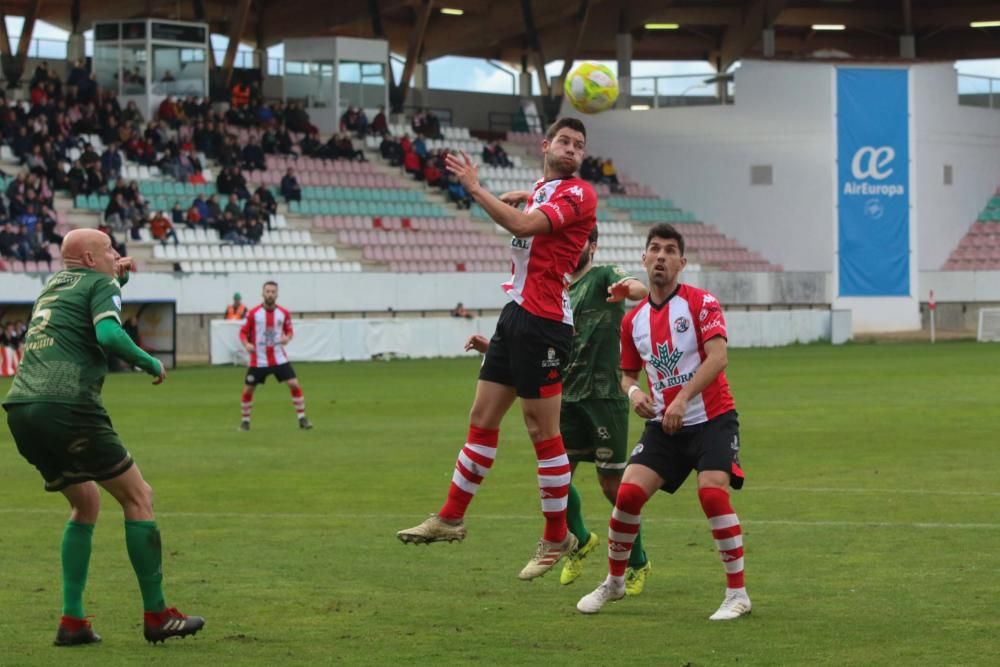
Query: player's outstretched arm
716,360
629,288
113,339
513,220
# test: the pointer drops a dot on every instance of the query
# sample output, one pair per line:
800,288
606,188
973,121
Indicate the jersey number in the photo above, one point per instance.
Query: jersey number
40,312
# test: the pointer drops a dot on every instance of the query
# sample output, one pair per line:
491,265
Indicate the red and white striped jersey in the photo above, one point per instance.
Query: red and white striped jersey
669,340
264,328
542,264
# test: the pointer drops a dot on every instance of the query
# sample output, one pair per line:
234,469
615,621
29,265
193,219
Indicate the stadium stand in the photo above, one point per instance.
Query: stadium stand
979,248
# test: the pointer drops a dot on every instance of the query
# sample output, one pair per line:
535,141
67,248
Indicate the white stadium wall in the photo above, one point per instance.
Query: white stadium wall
784,117
967,139
701,157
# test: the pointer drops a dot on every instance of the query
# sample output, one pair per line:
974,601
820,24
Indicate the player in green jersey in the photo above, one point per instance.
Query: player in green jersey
55,413
594,415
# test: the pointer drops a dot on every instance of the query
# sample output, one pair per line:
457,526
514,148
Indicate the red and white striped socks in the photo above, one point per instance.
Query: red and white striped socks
622,529
554,474
726,531
474,461
246,403
299,401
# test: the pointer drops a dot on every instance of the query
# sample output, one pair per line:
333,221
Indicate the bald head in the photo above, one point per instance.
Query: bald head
89,249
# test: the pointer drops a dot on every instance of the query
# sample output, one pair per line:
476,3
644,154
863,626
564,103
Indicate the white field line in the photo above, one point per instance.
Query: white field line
313,516
833,489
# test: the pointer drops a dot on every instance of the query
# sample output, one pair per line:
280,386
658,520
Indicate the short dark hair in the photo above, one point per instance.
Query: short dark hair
571,123
664,231
271,282
593,235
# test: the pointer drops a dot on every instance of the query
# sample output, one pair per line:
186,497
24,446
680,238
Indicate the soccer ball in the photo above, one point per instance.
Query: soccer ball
591,88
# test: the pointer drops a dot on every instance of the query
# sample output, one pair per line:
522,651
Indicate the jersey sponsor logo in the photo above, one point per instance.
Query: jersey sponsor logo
603,434
664,360
637,449
270,336
558,211
65,280
682,324
673,381
576,207
713,323
576,191
523,244
117,300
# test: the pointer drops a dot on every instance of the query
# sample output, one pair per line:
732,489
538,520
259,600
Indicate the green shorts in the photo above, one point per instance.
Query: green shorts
596,430
69,444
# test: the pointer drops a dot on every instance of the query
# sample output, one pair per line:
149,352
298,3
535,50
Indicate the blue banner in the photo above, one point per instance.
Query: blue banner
873,165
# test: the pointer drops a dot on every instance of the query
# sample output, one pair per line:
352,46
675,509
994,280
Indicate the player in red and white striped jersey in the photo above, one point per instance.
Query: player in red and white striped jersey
528,352
678,334
268,328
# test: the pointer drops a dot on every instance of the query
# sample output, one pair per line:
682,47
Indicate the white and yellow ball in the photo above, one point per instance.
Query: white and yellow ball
591,88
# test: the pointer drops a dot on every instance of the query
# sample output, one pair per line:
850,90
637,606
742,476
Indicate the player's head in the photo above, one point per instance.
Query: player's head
270,294
587,254
564,146
663,257
89,249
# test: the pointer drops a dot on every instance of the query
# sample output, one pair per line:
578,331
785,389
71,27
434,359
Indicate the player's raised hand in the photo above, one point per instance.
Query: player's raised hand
515,197
123,265
673,416
619,291
477,343
464,169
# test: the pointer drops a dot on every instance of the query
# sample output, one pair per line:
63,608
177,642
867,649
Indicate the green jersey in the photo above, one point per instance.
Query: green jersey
63,362
594,368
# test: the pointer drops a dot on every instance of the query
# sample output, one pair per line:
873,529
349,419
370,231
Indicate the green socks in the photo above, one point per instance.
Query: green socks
142,538
76,543
574,516
638,557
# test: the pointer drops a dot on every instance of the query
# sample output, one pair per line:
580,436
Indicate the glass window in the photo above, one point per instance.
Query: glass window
178,71
309,81
133,70
106,66
361,85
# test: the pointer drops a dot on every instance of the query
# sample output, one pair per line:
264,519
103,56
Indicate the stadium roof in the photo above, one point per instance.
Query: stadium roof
515,31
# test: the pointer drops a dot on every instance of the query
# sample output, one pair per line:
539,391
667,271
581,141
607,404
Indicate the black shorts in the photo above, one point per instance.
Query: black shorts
528,353
712,445
259,374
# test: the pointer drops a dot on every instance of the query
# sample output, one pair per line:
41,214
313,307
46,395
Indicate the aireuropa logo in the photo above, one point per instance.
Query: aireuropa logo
873,163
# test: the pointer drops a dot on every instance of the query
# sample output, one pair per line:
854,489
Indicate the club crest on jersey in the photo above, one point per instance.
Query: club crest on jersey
551,359
541,196
682,324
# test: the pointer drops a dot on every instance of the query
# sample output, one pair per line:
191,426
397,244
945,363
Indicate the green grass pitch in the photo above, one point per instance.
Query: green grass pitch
871,514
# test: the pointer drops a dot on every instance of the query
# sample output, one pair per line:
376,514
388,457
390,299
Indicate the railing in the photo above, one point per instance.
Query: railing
679,90
975,90
444,114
